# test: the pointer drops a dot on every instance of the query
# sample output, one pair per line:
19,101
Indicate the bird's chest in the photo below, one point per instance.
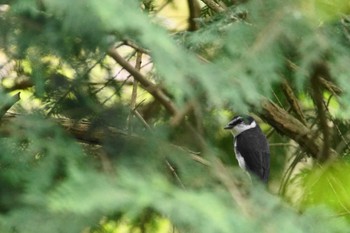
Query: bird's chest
239,157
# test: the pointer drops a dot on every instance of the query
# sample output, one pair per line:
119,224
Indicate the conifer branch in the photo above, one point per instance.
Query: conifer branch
214,6
134,90
293,101
150,87
194,14
8,103
290,126
320,70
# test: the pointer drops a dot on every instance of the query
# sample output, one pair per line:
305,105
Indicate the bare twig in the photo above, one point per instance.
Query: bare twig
339,199
156,92
6,68
134,90
138,115
344,140
135,84
176,120
200,160
214,6
8,103
293,101
113,78
318,71
288,173
173,171
293,128
136,47
194,13
283,145
72,85
331,87
133,110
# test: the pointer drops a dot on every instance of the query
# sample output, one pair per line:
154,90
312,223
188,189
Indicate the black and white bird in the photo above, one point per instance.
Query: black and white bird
251,146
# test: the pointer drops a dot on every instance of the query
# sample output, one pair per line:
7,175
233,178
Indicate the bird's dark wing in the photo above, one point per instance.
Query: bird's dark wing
258,163
254,148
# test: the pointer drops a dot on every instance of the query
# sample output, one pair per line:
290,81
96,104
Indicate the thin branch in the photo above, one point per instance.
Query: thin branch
134,111
293,101
177,119
173,171
138,115
342,214
283,145
214,6
134,90
343,205
156,92
8,103
288,173
72,85
6,68
135,84
135,46
277,98
345,141
288,125
329,86
194,13
83,132
318,71
200,160
110,80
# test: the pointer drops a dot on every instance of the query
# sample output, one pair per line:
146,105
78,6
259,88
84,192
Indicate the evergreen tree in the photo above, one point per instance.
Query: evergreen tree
111,120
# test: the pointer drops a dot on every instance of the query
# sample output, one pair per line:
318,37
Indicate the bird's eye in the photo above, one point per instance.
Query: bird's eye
239,121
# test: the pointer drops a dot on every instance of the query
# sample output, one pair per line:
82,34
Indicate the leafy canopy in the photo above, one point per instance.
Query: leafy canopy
121,120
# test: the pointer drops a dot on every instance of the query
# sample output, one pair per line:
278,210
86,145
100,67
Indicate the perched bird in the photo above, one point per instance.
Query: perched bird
250,146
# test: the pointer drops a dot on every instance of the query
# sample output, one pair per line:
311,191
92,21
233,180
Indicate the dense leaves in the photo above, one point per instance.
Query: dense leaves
119,125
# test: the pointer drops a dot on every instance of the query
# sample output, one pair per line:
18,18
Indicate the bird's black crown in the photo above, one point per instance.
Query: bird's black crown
239,119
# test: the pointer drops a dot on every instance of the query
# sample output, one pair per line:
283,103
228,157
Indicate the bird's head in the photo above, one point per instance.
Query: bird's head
240,124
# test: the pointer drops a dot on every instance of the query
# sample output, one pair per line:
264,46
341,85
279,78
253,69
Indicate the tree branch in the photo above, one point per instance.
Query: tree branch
293,101
135,46
156,92
8,103
329,86
194,13
214,6
318,71
288,125
177,119
134,90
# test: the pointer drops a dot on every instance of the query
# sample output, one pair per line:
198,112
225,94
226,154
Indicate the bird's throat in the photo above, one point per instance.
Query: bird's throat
238,129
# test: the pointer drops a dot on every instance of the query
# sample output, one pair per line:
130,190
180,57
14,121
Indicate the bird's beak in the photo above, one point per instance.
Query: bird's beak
228,127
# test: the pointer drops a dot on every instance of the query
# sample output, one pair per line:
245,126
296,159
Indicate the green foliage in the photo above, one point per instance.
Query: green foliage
76,158
329,186
324,10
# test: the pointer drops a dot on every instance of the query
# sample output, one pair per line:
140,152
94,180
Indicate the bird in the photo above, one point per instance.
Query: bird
250,146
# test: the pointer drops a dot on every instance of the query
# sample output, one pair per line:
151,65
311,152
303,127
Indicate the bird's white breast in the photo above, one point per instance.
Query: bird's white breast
239,157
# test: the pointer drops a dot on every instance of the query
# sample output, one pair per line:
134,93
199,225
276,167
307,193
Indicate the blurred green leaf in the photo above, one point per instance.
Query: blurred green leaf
81,154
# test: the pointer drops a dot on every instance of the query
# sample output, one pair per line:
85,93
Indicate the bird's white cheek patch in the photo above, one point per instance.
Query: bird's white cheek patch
240,128
239,157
